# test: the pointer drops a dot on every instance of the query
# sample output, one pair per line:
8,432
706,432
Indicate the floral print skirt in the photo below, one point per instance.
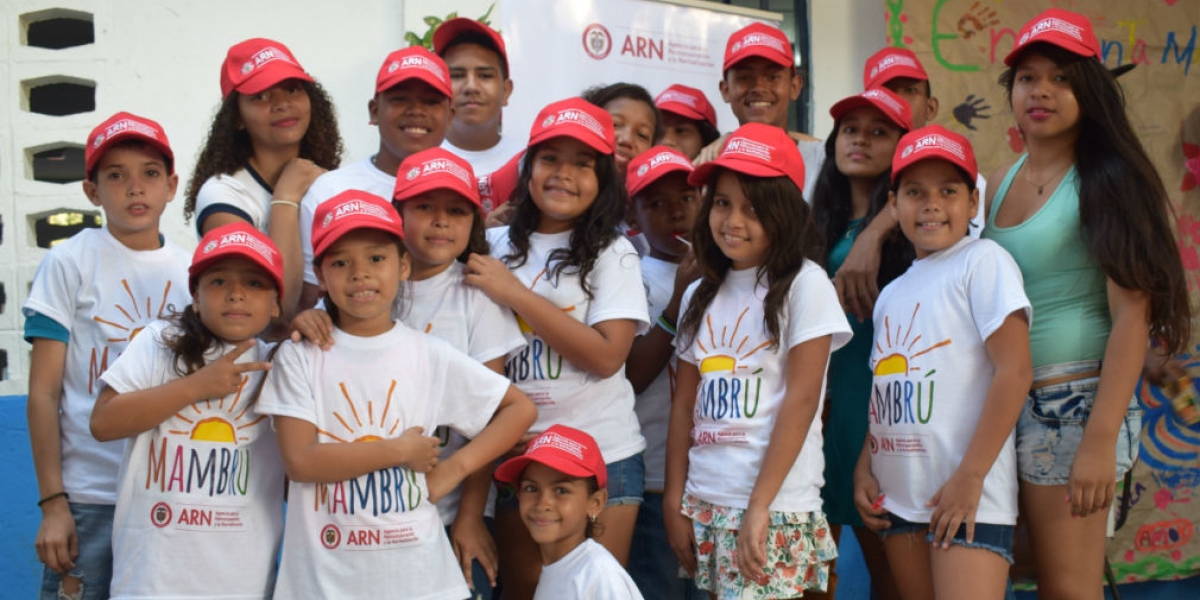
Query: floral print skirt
799,552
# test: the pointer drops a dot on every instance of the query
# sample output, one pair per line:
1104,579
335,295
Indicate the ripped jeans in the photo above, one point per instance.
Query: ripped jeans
93,566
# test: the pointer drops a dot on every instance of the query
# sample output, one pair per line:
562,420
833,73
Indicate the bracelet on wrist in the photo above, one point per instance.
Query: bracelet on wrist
53,496
286,203
666,325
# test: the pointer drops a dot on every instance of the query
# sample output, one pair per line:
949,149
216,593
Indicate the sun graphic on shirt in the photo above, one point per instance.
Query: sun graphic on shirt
358,420
223,420
728,348
899,349
521,322
136,315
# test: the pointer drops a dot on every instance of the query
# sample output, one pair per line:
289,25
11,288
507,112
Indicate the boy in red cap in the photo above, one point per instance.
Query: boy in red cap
689,122
91,295
560,481
760,82
412,108
478,63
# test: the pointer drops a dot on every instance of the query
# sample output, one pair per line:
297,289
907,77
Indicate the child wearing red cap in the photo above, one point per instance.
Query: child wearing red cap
689,122
184,392
576,288
412,108
851,197
478,63
938,478
759,81
274,133
351,421
1086,194
664,206
560,482
90,296
636,122
744,448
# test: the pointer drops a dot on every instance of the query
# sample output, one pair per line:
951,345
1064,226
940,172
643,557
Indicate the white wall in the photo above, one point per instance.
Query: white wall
844,34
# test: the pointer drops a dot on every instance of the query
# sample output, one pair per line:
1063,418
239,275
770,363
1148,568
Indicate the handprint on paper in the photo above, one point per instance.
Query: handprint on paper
971,108
976,19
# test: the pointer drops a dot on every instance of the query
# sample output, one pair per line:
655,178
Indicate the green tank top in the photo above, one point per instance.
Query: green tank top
1065,286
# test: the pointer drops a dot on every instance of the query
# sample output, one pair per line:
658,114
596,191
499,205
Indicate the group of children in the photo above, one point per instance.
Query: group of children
619,390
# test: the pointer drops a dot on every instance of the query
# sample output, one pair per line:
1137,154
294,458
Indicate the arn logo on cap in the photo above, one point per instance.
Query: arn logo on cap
893,60
356,207
244,240
123,126
674,96
891,103
557,442
1052,24
417,62
935,140
760,39
748,147
572,115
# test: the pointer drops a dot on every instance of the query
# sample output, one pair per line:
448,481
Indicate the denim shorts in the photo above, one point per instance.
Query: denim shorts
1052,422
93,566
993,538
626,484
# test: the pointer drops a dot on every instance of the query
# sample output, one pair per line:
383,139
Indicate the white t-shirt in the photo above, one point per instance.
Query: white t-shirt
377,535
588,572
813,153
484,162
743,381
104,294
445,307
932,374
240,192
979,220
201,492
563,392
361,175
653,405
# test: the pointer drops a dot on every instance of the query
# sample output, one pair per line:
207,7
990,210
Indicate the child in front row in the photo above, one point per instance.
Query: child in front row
744,455
937,475
351,423
91,295
184,391
664,206
560,483
576,288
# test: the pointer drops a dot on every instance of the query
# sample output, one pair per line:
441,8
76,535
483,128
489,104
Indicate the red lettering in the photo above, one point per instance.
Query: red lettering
997,35
641,47
363,538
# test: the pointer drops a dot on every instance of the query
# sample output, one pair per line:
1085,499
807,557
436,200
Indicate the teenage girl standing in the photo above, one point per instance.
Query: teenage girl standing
274,133
576,287
1086,194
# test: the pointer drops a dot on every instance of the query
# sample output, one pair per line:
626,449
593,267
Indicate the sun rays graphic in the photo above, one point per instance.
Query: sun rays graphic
899,348
522,324
370,430
730,360
134,316
214,421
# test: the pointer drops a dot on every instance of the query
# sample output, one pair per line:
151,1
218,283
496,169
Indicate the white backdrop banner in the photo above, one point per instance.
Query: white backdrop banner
558,48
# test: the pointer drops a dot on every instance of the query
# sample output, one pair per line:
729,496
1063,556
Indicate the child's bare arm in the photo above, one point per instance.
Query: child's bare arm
600,349
867,499
57,544
651,352
957,500
306,459
806,364
679,440
512,419
117,416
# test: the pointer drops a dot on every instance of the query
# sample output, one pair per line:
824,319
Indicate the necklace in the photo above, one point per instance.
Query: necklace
1041,187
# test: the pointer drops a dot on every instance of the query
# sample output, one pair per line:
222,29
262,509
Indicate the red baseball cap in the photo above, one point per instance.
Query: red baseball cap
890,63
758,39
497,187
257,64
414,62
895,108
435,169
450,30
125,126
575,118
687,102
934,142
756,149
1067,30
350,210
237,239
652,165
564,449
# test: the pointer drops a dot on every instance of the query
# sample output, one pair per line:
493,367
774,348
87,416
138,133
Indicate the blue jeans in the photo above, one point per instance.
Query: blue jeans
994,538
652,563
93,566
